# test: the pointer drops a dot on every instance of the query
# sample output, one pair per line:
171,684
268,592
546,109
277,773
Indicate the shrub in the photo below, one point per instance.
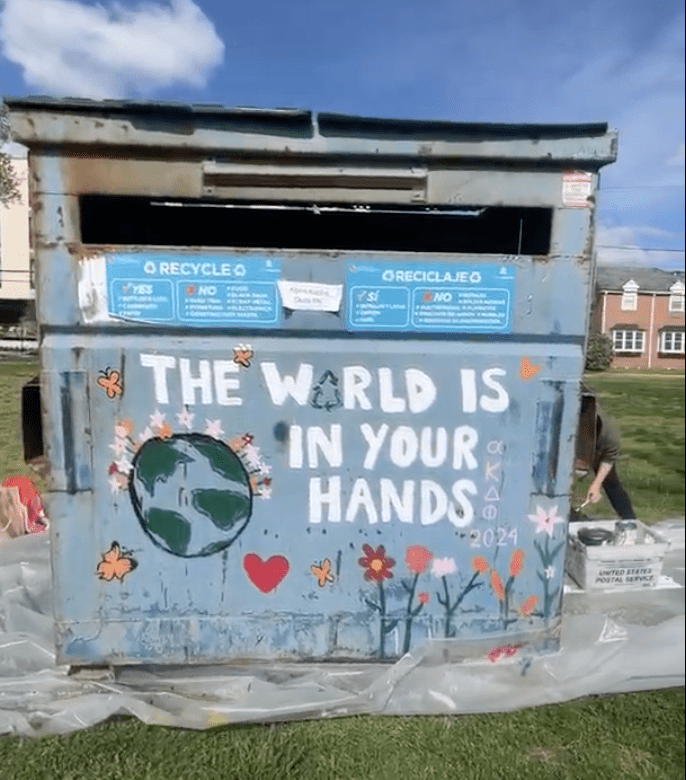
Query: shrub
598,352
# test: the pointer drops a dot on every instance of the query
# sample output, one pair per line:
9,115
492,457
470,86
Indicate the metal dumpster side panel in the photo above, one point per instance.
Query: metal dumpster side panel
160,600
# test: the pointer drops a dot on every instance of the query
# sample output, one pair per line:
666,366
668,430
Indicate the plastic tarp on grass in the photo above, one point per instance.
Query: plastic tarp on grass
611,642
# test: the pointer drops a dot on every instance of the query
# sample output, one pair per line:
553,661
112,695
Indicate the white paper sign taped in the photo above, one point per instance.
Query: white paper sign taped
577,188
310,296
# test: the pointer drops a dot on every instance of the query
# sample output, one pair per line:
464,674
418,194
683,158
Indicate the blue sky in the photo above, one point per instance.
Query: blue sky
495,60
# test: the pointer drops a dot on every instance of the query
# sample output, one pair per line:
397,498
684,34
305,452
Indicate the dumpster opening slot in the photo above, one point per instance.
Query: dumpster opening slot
124,220
31,423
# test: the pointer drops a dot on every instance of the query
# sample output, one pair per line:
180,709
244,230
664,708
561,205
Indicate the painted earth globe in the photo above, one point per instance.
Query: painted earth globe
191,494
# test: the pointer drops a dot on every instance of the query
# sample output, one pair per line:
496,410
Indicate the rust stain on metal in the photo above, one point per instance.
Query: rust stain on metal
81,252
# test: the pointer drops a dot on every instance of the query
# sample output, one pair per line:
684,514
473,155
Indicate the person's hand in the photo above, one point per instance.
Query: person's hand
593,495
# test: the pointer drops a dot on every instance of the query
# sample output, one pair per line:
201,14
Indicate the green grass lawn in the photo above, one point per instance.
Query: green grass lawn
626,737
649,412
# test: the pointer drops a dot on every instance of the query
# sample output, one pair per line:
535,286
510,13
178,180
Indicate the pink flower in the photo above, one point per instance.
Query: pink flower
423,597
417,558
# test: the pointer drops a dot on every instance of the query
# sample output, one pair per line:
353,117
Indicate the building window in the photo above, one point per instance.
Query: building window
630,296
627,340
676,298
672,342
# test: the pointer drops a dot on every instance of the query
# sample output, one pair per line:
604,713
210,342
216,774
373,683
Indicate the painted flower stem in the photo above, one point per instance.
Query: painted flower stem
449,608
547,557
410,613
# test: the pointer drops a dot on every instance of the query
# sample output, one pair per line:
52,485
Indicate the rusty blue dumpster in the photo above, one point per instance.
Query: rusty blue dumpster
309,383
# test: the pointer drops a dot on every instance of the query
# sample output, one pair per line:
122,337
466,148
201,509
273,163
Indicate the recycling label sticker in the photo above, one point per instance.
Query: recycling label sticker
430,298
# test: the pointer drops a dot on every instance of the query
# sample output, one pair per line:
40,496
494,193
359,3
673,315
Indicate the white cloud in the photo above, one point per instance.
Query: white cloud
67,48
678,160
629,245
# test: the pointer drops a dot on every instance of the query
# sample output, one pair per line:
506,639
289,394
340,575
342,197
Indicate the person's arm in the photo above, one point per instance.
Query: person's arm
593,495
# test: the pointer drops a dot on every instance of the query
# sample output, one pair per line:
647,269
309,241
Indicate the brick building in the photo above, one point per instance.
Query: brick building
17,293
642,311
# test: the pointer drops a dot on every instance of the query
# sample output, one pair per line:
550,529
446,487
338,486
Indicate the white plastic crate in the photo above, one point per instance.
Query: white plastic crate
615,567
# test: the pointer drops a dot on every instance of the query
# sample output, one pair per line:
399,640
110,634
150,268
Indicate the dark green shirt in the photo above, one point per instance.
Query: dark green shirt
607,440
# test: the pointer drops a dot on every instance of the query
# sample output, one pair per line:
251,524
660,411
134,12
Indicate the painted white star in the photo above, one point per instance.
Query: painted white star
252,456
214,428
120,431
546,520
115,483
146,434
185,418
156,419
119,446
549,572
124,466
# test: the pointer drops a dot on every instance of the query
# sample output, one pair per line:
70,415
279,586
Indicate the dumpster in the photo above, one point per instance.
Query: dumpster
309,383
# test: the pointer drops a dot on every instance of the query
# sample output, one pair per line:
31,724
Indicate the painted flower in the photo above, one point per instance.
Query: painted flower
441,567
417,558
165,431
516,562
549,572
528,606
480,564
545,521
423,597
377,564
497,585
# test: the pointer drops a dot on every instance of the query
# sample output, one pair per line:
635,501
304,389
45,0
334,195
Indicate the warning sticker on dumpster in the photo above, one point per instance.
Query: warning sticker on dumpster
430,298
577,188
201,291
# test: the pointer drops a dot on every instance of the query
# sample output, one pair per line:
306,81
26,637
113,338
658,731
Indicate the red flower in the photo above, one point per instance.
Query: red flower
376,563
480,564
497,585
423,597
516,562
417,558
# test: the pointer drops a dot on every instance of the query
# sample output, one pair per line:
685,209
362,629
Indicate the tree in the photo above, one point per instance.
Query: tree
9,185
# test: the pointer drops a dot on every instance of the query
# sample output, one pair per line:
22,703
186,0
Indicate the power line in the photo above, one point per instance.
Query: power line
643,187
637,248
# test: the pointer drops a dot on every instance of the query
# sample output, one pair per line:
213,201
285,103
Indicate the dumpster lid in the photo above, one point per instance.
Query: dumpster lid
328,123
40,120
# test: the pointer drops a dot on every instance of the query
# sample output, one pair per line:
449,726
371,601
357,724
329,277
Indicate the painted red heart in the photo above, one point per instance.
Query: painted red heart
265,575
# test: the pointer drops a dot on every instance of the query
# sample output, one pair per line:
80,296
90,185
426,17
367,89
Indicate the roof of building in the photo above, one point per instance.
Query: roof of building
613,277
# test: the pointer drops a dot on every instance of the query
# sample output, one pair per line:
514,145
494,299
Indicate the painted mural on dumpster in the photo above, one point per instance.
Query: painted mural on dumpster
385,490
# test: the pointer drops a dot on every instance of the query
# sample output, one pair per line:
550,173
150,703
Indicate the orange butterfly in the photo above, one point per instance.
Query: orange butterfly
242,355
109,381
114,565
528,369
323,572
